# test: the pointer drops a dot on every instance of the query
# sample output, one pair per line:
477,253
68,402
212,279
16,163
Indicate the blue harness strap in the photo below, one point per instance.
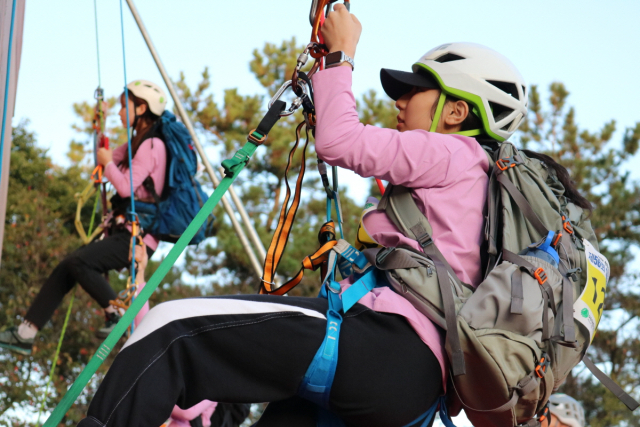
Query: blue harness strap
425,419
325,418
317,382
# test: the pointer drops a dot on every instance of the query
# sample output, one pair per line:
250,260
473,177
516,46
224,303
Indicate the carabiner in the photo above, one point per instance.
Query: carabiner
96,175
296,103
315,18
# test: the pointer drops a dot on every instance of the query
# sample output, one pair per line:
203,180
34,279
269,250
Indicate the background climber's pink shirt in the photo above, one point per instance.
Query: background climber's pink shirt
150,160
448,175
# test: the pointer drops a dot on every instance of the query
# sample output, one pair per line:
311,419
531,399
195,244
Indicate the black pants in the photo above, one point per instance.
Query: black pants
257,349
86,266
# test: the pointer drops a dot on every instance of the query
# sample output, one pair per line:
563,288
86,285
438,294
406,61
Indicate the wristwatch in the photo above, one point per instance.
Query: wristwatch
334,59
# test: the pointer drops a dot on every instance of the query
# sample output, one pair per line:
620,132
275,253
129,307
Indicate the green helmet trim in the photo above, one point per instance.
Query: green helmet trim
436,118
475,100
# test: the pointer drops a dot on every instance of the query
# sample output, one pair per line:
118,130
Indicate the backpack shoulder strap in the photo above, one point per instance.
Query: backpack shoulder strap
624,397
398,204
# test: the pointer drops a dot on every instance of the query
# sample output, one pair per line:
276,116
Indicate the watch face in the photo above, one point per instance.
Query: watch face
333,57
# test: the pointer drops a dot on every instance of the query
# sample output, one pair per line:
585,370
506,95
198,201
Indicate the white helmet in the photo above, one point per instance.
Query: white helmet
568,410
150,92
476,74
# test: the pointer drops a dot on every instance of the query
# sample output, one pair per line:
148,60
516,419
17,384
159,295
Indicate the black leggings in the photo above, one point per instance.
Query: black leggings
246,349
86,266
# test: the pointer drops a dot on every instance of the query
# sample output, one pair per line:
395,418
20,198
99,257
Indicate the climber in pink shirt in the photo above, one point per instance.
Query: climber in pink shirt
88,264
391,367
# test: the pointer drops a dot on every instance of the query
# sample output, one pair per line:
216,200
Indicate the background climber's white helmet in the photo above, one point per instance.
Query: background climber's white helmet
568,410
150,92
474,73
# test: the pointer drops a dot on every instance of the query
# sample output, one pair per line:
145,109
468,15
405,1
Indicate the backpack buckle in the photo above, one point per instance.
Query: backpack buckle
256,137
540,275
508,162
425,240
545,413
556,238
541,366
383,254
566,224
572,273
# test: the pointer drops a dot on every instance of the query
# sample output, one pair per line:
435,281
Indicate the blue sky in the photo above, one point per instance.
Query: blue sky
593,49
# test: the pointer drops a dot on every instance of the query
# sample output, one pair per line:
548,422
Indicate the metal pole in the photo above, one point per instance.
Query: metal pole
214,179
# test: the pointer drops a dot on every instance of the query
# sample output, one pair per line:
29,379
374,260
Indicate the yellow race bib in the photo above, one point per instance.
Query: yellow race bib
589,306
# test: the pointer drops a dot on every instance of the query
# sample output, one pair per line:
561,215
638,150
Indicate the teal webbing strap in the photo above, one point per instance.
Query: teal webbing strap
7,81
359,289
128,317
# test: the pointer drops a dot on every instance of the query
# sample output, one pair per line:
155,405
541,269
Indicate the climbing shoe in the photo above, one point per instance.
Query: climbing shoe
11,340
111,319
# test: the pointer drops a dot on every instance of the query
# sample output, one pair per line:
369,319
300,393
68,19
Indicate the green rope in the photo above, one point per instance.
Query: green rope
233,168
55,358
95,208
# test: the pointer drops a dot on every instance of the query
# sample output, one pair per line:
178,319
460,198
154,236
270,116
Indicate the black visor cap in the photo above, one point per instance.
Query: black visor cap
397,83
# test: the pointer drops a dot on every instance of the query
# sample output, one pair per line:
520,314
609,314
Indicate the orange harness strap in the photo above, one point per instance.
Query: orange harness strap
285,221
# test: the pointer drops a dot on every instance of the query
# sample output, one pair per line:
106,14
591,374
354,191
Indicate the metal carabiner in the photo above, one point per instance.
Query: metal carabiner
296,103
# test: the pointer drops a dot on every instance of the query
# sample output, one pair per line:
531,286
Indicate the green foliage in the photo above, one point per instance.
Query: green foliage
39,232
600,167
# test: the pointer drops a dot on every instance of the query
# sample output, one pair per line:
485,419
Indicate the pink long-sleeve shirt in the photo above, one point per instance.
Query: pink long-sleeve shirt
150,160
447,175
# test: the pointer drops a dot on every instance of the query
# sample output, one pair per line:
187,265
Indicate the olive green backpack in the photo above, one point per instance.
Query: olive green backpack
513,340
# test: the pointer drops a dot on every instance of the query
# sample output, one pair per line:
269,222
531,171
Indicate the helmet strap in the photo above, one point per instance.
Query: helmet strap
474,132
439,108
438,114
